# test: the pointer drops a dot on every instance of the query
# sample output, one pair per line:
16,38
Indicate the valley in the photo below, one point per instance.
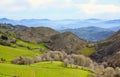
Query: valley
43,52
59,38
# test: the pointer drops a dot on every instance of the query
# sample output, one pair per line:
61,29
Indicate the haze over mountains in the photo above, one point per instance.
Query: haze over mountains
66,23
89,27
92,34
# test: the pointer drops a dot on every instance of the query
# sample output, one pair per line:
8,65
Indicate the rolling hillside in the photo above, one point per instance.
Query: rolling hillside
19,47
36,34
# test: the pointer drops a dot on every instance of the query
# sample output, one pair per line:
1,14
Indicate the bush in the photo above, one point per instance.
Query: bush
37,59
54,55
109,72
3,37
28,61
23,61
13,40
2,60
66,62
19,60
4,42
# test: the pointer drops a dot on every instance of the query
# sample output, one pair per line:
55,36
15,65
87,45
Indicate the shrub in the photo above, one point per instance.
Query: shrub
28,61
54,55
13,40
4,42
2,60
109,72
19,60
66,62
81,60
3,37
23,61
37,58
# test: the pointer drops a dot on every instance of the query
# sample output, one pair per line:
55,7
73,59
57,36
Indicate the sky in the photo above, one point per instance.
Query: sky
60,9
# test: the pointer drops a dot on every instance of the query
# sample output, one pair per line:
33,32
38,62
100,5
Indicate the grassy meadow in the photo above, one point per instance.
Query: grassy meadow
42,69
87,51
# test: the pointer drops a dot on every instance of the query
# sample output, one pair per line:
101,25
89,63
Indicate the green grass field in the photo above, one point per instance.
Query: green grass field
43,69
31,45
87,51
10,53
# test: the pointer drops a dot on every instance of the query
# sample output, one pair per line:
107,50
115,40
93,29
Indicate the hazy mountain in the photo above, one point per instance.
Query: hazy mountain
92,34
117,21
115,28
64,24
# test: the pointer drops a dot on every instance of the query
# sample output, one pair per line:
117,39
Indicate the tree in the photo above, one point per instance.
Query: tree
3,37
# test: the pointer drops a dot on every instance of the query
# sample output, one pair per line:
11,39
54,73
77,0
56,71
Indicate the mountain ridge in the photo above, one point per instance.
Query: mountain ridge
65,23
92,33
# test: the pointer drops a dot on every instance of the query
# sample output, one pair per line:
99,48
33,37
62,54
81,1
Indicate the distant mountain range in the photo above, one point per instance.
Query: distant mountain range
92,34
90,29
65,24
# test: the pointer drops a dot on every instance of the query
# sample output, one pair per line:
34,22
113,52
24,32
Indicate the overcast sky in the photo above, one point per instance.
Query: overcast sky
60,9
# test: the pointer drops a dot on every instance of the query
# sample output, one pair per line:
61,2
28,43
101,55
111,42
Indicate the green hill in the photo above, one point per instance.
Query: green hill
9,53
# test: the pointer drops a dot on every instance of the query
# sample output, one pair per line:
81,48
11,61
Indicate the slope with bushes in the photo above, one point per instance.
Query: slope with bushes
109,51
36,35
67,42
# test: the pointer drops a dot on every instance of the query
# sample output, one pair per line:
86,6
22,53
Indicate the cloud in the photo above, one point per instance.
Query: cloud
13,5
92,1
89,8
6,2
50,4
21,5
93,9
35,4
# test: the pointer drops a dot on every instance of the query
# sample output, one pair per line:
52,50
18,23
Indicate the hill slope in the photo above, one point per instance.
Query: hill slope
11,27
36,35
109,50
66,42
